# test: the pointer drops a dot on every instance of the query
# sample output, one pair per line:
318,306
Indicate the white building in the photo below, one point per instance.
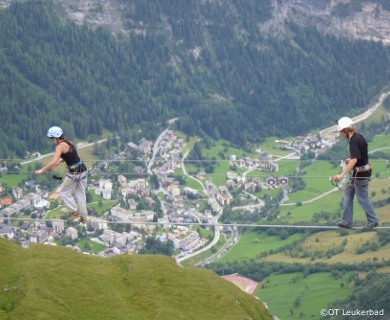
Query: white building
121,213
58,225
72,233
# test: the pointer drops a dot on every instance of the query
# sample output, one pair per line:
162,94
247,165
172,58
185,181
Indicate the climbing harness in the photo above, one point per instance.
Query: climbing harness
353,177
75,171
357,170
76,176
74,167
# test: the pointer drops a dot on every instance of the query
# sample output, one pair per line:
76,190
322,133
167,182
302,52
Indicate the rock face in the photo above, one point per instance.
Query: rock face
105,13
372,22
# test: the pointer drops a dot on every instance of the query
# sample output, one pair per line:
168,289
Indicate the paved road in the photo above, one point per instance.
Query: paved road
379,149
211,244
79,146
191,177
363,116
156,147
260,203
229,243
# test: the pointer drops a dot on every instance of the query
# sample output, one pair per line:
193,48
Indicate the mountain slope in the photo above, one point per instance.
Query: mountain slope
209,63
355,19
44,282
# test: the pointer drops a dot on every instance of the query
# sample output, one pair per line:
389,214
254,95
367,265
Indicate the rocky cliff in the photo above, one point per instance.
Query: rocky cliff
370,21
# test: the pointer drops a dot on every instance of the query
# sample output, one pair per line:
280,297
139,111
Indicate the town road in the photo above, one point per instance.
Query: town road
156,147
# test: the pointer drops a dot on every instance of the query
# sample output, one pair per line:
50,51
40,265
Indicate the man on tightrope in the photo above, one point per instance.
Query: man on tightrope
360,172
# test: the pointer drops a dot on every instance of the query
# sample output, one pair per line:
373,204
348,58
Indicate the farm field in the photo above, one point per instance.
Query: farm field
13,179
324,241
291,296
251,244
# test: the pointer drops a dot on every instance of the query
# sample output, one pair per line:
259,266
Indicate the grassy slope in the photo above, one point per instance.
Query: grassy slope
324,241
282,293
248,248
44,282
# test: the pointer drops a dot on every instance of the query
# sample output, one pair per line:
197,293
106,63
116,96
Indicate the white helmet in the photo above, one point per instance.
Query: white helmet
55,132
344,123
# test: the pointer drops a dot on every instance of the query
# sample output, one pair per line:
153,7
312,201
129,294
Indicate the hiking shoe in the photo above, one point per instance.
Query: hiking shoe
74,216
83,219
342,225
370,225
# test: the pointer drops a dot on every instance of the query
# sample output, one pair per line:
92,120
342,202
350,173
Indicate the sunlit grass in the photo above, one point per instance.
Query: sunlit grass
322,241
273,148
46,282
294,296
252,243
379,142
12,180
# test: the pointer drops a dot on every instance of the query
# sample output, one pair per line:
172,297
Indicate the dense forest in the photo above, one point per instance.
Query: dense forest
205,62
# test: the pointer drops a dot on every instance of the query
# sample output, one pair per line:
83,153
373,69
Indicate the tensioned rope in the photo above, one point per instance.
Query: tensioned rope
202,224
259,174
279,159
259,169
209,224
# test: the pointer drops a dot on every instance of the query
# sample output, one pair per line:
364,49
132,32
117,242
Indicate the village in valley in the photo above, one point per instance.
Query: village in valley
181,207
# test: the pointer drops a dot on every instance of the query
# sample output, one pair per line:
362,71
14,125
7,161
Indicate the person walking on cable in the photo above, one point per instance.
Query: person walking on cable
76,178
360,172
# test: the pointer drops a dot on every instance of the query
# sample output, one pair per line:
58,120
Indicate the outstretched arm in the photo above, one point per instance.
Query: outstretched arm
53,163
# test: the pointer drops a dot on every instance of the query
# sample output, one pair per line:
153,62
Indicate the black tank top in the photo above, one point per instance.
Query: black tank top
71,158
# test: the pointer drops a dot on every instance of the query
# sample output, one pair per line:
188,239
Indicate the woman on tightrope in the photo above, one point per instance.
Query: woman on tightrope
76,178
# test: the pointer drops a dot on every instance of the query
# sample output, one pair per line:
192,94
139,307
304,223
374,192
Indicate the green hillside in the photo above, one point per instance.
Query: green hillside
310,293
45,282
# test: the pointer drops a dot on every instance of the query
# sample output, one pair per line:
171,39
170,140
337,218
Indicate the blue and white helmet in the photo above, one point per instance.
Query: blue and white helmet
55,132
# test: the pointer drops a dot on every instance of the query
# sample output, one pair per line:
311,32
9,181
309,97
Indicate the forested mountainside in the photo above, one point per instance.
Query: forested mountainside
355,19
207,62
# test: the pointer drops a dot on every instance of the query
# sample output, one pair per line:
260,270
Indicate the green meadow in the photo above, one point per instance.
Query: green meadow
380,169
291,296
87,245
273,148
326,240
227,148
47,282
219,176
379,142
252,243
328,204
12,180
287,167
